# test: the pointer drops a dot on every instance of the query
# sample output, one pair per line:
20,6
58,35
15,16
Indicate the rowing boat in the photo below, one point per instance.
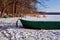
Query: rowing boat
48,22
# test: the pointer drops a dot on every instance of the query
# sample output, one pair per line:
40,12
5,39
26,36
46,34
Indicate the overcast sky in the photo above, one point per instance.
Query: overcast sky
52,6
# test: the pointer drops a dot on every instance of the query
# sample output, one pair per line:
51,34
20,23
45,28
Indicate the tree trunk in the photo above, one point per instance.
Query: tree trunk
13,8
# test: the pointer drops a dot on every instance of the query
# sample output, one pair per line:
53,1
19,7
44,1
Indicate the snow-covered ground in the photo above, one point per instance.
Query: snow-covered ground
8,31
29,34
9,22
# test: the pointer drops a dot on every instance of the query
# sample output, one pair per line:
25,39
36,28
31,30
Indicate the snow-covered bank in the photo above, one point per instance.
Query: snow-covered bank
29,34
9,22
25,34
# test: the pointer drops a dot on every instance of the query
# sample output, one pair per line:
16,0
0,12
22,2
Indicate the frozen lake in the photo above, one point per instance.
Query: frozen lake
47,18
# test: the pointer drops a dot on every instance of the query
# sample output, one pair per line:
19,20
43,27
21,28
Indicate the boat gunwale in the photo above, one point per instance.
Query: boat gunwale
39,20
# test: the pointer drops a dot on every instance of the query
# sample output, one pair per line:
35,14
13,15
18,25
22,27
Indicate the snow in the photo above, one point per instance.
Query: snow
9,31
47,18
9,22
29,34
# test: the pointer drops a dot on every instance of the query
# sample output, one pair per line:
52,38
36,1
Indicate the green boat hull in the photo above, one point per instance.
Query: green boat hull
41,24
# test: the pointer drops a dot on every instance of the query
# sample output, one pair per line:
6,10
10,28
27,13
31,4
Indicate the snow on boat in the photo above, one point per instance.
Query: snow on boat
48,22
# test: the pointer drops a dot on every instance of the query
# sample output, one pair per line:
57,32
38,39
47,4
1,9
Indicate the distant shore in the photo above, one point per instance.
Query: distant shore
52,13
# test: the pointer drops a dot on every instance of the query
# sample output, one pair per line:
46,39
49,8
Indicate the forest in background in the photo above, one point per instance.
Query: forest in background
17,7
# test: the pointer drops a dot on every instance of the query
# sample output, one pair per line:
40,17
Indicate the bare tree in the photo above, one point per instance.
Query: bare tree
22,6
